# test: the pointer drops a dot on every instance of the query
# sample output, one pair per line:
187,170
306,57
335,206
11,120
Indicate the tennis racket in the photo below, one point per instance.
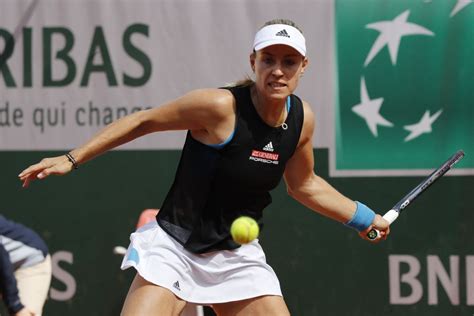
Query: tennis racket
393,214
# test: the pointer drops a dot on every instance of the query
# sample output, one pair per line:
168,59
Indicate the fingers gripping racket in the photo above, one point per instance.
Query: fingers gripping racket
393,214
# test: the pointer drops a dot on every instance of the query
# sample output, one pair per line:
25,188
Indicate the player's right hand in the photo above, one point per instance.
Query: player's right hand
379,223
59,165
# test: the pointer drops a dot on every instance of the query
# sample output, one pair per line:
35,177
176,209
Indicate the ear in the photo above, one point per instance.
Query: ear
303,67
252,61
305,64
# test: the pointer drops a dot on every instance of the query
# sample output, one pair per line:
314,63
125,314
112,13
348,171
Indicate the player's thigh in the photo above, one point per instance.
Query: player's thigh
145,298
258,306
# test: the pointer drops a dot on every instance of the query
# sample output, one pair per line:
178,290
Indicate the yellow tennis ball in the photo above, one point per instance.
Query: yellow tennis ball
244,229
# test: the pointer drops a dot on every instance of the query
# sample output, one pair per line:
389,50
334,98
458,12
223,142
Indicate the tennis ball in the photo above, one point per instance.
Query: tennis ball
244,229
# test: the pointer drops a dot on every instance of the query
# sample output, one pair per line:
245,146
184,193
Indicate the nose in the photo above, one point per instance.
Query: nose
277,70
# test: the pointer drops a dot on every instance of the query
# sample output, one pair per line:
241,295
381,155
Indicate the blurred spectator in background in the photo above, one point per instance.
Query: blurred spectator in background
25,269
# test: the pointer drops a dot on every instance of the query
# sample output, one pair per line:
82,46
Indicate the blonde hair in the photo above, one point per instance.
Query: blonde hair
282,21
248,81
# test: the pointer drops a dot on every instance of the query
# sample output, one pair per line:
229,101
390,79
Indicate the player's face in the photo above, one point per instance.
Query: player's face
277,70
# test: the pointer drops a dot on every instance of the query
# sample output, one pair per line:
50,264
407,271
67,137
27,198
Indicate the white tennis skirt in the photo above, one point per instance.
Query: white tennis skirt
215,277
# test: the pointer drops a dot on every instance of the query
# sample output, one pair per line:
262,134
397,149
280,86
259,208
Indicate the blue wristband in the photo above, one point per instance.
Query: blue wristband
363,218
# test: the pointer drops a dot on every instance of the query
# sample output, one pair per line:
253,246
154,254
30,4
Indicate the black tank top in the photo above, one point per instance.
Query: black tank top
213,186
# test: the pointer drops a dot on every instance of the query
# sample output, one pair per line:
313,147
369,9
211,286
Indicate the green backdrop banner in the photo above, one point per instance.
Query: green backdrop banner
405,97
425,268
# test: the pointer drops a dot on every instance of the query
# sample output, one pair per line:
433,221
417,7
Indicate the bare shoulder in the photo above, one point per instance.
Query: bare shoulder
219,102
211,94
308,123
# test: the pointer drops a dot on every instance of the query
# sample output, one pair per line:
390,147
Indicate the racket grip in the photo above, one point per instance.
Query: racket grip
390,217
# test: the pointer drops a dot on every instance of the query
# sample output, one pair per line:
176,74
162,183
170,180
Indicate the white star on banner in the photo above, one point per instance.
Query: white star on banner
369,110
391,33
423,126
461,4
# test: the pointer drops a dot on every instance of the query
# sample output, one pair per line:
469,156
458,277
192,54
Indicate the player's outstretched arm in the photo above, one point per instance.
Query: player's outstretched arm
204,112
315,193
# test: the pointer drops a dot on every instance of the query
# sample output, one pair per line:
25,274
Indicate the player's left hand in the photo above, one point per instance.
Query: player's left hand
381,225
59,165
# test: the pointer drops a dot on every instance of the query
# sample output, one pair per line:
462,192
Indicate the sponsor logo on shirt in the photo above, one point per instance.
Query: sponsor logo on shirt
268,147
266,156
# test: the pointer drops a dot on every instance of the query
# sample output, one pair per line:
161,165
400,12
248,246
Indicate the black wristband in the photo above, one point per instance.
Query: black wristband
72,160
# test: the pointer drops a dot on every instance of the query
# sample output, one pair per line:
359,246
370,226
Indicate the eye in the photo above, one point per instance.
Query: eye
268,60
289,62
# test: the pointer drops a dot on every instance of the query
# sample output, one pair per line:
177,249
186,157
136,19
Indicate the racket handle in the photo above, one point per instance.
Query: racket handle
390,217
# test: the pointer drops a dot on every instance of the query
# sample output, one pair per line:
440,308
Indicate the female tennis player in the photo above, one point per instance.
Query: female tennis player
241,141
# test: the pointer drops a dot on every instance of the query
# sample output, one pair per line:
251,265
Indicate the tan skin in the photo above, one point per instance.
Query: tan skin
24,312
210,115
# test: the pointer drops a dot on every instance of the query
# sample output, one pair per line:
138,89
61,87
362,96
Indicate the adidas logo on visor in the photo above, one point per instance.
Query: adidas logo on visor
283,33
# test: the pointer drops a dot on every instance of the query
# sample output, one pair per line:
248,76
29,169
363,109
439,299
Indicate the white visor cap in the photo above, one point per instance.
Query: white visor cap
280,34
